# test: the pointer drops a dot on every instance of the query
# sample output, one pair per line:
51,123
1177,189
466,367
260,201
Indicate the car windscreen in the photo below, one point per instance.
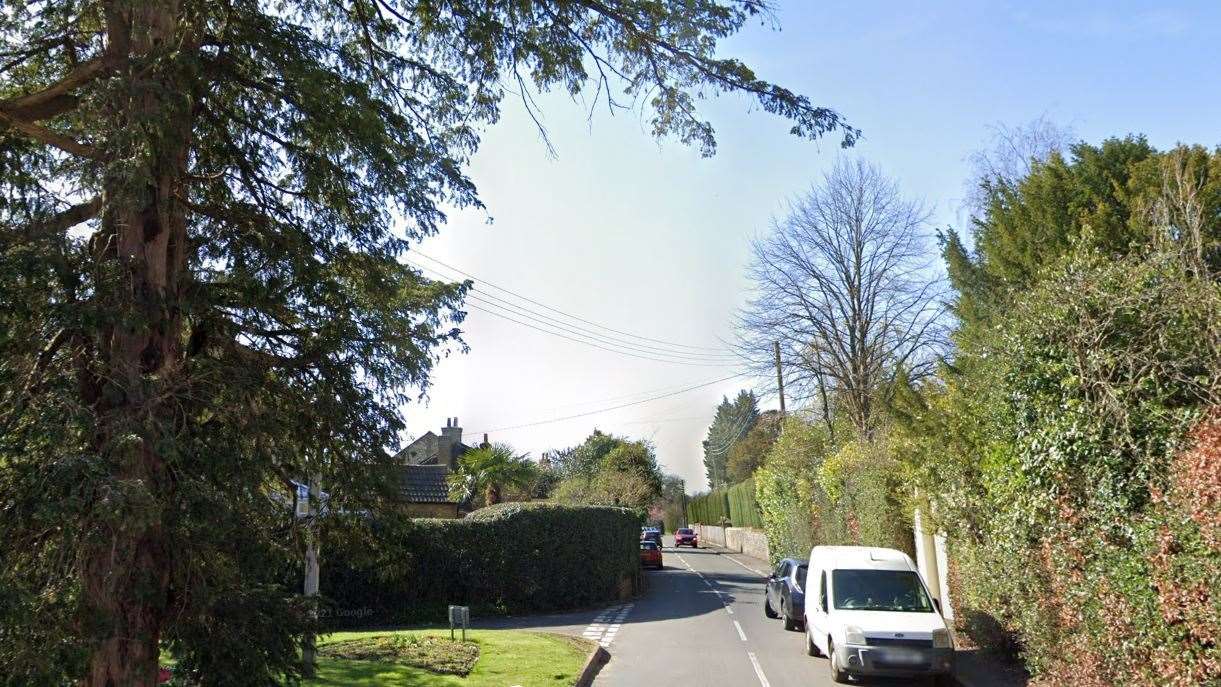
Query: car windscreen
879,590
684,530
648,546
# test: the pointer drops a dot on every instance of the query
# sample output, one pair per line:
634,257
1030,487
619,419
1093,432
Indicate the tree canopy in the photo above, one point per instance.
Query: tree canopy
730,424
203,207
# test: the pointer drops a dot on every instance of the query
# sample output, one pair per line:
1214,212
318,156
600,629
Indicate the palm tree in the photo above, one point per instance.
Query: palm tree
490,469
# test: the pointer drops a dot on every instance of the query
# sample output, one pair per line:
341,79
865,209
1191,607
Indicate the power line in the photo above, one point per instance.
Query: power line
590,343
617,407
565,314
530,315
498,306
490,300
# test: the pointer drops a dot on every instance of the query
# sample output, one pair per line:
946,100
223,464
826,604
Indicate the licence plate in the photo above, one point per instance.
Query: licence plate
902,656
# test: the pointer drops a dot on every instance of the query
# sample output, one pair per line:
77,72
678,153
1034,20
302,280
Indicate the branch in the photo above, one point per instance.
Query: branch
66,219
57,97
49,137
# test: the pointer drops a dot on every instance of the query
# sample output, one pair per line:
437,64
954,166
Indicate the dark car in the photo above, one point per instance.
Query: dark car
651,534
685,536
785,593
650,554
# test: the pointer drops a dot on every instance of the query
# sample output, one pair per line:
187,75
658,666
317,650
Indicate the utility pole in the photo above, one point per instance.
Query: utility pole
311,564
779,375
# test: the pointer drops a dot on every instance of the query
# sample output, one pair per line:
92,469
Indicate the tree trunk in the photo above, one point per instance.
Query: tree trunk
140,252
491,494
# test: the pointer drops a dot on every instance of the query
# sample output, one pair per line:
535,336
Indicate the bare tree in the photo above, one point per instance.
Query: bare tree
845,283
1013,153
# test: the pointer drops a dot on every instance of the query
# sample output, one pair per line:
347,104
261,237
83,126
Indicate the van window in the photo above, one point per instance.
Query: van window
822,592
880,590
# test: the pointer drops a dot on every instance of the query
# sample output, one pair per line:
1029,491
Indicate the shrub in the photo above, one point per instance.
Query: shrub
1085,528
734,504
509,558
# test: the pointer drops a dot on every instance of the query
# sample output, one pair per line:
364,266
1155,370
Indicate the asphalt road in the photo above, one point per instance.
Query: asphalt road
701,623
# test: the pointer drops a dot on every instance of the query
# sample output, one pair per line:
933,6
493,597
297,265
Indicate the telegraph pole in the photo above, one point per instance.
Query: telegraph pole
779,375
313,501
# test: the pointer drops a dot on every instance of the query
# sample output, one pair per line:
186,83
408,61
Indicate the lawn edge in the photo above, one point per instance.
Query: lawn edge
597,658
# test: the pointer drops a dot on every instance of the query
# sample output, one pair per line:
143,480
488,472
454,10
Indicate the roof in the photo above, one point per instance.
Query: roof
860,557
426,484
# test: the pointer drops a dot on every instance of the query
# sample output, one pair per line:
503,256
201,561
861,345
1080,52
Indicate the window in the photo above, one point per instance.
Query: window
822,592
780,570
686,530
880,590
800,577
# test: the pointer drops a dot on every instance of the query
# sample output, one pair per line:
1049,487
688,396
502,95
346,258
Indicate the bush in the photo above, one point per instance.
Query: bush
1085,529
734,504
509,558
743,509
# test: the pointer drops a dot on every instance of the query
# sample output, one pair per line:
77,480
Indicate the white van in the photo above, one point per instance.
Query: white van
869,611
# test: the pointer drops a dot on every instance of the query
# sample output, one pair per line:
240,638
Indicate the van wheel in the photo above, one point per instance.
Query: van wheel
811,647
767,608
838,675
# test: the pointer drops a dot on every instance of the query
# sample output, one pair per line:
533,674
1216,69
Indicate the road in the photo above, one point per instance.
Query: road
701,623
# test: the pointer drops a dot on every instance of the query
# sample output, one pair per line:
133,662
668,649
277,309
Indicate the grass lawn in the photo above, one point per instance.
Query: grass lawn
506,657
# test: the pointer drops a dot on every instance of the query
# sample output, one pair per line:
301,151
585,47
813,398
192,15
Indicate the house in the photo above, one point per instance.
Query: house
427,463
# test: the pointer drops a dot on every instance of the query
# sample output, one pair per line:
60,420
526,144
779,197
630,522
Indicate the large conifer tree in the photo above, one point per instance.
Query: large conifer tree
203,206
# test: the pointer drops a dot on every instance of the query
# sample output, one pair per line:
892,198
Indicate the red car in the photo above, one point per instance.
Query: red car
650,555
685,536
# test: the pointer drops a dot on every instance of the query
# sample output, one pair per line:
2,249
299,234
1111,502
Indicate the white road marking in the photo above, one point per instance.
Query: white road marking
758,669
606,625
741,634
760,573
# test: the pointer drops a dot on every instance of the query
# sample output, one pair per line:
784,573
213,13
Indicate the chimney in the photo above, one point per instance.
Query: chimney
451,436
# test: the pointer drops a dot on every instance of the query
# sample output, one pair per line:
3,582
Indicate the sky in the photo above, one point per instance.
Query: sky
648,238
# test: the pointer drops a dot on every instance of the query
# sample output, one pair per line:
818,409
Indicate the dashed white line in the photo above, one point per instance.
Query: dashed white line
757,572
606,625
758,669
741,634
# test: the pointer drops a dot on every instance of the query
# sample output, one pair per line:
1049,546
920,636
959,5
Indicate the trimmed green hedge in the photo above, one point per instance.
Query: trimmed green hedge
735,503
510,558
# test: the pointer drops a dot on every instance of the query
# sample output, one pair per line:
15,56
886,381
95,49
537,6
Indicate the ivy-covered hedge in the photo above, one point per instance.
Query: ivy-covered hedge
735,504
511,558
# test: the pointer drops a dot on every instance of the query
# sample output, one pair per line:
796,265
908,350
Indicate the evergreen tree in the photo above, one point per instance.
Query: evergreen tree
204,204
733,420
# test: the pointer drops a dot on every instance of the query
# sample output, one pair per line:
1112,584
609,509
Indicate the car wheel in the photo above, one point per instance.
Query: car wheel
767,608
838,675
811,647
790,624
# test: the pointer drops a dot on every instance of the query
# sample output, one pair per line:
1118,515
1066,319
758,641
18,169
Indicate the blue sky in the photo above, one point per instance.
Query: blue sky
650,238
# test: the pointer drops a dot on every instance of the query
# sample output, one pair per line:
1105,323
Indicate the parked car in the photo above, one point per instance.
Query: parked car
685,536
651,534
784,593
869,611
650,554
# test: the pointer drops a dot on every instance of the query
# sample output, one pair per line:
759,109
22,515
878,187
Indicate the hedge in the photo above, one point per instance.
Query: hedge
735,503
511,558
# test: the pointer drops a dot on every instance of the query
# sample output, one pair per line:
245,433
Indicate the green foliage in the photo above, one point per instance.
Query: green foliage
711,508
1088,345
610,470
743,508
510,558
747,454
201,288
734,505
730,424
812,492
488,471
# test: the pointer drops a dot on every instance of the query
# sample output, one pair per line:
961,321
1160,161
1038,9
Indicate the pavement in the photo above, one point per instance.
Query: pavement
701,622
